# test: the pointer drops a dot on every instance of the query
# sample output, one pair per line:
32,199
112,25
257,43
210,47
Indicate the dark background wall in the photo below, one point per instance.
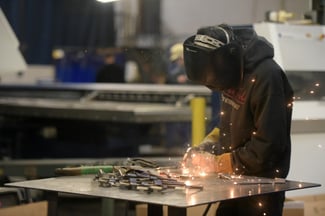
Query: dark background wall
42,25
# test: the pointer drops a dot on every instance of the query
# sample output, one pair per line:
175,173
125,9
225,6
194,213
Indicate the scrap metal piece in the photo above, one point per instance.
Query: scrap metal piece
140,179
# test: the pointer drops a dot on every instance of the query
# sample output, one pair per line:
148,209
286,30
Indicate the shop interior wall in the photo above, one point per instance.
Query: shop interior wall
182,17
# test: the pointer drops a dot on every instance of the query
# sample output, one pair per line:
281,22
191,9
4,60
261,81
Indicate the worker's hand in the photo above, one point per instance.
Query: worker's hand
203,161
224,163
208,163
213,136
203,158
210,142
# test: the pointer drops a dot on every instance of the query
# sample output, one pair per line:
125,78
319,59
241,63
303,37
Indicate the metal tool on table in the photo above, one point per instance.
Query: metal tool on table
107,168
140,179
245,180
132,174
82,170
189,152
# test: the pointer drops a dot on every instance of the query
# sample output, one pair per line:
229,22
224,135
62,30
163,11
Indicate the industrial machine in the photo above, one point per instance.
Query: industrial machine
91,120
299,50
45,122
11,60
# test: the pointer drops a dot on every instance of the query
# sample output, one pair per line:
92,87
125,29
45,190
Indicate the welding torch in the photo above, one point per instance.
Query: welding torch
83,170
94,169
188,153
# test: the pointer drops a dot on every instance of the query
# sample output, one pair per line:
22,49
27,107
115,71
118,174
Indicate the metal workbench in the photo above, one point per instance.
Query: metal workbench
214,189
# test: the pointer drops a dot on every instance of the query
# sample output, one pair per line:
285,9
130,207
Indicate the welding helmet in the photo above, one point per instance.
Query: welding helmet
213,57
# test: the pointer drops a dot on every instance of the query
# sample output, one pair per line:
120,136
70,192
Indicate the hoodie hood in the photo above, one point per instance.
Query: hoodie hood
255,48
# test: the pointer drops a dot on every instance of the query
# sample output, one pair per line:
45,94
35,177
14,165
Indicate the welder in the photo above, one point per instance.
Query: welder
253,137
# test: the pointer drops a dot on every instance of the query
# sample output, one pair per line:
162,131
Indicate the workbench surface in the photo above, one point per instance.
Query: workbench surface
214,189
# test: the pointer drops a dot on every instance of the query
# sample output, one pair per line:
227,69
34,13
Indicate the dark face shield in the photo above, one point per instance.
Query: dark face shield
197,63
218,69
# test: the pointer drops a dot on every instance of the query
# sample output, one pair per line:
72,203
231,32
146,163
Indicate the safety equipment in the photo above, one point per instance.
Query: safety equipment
203,162
209,143
176,52
212,137
210,163
213,57
224,163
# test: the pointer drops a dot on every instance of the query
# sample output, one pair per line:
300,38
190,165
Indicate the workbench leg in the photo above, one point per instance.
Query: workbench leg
175,211
155,210
108,207
52,199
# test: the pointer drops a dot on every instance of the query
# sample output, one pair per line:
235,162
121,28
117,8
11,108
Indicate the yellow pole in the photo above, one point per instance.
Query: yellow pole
198,106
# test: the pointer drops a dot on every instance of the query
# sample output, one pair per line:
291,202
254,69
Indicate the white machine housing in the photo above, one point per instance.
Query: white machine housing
301,49
11,60
297,47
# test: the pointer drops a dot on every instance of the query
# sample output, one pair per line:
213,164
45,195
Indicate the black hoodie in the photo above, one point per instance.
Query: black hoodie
256,117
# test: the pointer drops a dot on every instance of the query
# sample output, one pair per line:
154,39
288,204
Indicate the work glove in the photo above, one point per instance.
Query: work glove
213,136
211,163
210,142
202,158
